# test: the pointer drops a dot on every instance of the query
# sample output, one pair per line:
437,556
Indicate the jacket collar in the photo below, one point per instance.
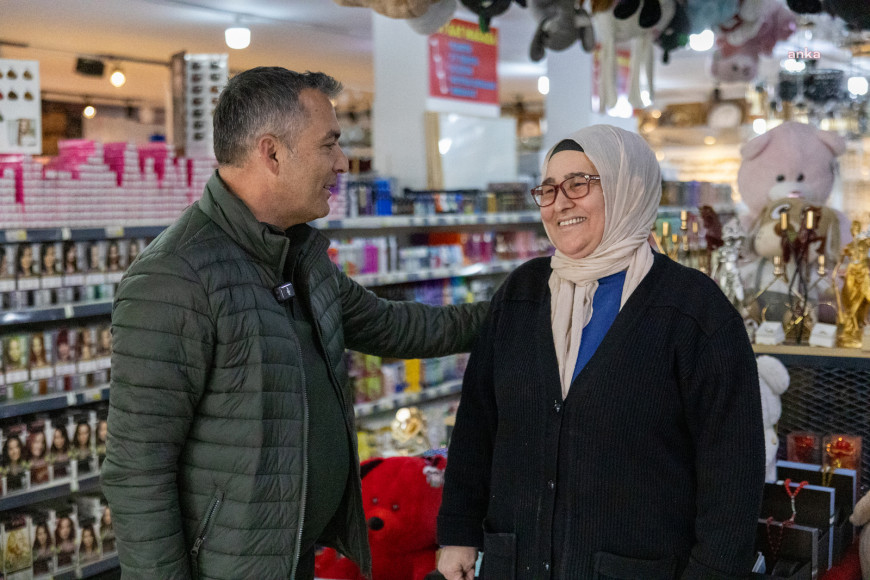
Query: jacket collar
230,213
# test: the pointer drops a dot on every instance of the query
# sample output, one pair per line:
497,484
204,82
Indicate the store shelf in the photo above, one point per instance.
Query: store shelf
56,313
674,210
49,491
380,222
92,569
54,402
500,267
386,404
79,234
797,350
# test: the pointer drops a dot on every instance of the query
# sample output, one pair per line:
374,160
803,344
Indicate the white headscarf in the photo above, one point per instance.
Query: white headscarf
632,185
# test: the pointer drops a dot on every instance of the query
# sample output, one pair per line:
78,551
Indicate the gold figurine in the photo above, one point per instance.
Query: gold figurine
854,299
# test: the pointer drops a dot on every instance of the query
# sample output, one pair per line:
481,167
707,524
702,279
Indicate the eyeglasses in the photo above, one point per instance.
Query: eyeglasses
574,187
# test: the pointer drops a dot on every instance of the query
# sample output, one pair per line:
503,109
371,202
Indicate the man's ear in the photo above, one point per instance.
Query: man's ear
267,152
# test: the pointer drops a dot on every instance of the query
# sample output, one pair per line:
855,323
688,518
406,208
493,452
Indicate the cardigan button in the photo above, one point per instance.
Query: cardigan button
557,406
551,484
546,565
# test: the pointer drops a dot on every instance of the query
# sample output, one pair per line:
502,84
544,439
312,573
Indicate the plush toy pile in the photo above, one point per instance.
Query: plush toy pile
401,498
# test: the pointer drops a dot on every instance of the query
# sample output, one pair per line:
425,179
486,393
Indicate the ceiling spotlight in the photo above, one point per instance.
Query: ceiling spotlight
543,85
89,112
117,78
238,36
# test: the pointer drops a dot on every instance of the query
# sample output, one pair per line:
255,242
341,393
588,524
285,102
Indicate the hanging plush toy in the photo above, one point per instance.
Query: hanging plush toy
486,10
437,16
739,67
676,33
775,23
744,24
391,8
613,31
561,23
742,41
707,15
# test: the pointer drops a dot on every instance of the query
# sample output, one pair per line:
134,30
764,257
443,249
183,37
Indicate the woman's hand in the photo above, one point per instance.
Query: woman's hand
457,562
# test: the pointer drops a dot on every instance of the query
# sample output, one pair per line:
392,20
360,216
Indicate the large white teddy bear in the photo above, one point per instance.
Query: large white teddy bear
773,378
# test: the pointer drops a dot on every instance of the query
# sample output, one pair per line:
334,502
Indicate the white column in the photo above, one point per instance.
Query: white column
401,69
569,102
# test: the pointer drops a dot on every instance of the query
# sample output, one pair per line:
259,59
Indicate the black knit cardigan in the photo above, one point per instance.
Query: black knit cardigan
653,465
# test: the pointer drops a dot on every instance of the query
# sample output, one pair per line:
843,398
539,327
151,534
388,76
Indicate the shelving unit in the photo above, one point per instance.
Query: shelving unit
397,222
59,488
53,402
57,313
92,569
78,234
434,397
500,267
386,404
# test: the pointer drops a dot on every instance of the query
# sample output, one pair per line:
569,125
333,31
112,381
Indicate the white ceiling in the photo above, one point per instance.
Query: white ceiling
297,34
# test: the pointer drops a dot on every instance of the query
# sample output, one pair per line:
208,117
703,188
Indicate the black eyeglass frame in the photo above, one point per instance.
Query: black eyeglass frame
561,187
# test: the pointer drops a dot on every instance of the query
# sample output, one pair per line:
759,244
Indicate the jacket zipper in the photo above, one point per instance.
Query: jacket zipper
203,531
332,375
304,499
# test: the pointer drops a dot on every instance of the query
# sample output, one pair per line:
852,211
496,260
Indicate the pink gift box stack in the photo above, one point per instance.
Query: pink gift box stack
93,184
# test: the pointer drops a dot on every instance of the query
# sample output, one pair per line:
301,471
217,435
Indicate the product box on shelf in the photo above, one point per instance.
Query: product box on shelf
15,358
65,536
37,451
17,553
43,547
844,482
14,461
89,544
82,423
20,107
27,266
803,504
790,552
59,455
65,349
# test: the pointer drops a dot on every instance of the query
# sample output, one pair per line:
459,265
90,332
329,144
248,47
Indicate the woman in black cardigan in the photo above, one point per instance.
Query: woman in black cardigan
610,421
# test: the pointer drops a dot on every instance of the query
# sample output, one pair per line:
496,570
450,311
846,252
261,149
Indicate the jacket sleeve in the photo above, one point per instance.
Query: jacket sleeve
465,498
723,412
163,341
405,329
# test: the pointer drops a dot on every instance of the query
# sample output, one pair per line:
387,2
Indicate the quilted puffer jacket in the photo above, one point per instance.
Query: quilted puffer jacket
206,463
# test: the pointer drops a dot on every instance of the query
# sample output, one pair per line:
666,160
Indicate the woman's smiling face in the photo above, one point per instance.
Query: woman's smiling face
576,226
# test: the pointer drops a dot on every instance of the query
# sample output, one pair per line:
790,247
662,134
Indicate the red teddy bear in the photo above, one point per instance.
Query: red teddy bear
401,497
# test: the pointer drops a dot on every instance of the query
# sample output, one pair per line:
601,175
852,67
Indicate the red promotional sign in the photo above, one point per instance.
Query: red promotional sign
462,63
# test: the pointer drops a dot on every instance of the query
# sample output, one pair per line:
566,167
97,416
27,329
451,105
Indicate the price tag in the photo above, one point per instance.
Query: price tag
115,232
16,235
68,311
65,233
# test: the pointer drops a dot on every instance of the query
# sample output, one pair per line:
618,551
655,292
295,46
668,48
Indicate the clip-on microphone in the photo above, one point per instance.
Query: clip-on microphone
284,292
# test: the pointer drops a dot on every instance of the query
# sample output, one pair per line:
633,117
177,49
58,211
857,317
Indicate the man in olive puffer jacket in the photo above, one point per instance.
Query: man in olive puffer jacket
232,446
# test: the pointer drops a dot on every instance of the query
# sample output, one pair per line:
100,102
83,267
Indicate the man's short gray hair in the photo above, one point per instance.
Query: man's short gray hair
259,101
